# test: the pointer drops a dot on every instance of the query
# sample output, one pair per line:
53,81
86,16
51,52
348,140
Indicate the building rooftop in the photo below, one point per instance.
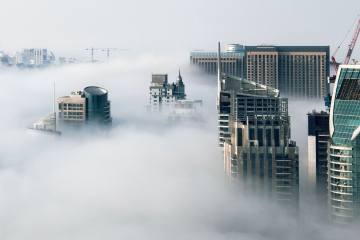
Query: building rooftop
240,85
95,90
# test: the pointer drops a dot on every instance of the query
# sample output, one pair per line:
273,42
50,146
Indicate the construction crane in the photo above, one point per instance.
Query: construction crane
350,49
92,50
108,50
352,43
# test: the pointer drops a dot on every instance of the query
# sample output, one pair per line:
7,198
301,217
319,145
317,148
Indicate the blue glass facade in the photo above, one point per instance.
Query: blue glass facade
344,151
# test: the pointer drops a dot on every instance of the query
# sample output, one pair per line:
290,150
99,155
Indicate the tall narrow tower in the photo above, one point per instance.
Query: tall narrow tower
219,69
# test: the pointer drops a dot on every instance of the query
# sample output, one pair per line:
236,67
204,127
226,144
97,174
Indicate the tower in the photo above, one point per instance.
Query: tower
344,149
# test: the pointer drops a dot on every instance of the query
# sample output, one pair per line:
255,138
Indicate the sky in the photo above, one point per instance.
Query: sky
69,26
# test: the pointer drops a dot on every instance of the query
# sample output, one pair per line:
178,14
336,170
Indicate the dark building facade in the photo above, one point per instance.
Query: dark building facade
97,105
318,139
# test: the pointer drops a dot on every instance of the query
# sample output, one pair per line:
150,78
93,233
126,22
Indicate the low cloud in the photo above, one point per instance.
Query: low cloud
140,180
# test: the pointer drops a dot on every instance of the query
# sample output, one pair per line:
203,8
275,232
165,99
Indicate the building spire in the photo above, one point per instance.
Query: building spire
219,61
179,76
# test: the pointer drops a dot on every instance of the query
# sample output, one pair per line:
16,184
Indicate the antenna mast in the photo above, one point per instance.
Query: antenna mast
54,107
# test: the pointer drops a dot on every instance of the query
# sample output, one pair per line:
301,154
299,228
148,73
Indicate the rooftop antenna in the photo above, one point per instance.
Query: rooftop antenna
219,69
54,107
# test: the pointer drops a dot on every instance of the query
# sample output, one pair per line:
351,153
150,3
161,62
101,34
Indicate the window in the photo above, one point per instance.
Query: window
239,137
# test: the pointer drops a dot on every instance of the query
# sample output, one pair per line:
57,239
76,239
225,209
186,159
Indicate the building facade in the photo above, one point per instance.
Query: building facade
232,60
97,105
318,139
297,71
254,130
344,149
34,57
90,105
260,151
163,93
72,108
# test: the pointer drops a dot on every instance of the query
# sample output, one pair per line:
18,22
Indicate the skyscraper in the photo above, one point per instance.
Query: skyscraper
344,150
90,105
297,71
232,60
255,131
163,93
318,138
35,57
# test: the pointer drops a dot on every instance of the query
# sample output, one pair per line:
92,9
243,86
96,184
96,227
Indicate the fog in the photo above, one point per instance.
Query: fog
143,179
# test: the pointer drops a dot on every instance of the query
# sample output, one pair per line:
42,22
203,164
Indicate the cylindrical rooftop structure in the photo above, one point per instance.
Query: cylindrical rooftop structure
97,104
234,48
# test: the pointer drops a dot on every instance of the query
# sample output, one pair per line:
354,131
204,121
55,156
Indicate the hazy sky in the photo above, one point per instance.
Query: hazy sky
72,25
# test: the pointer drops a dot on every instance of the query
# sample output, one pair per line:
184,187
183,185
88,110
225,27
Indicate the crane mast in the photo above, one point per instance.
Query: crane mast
353,43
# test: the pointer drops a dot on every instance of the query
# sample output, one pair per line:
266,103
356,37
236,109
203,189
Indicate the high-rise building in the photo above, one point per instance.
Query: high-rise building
163,93
72,108
232,60
297,71
255,131
90,105
344,149
34,57
318,139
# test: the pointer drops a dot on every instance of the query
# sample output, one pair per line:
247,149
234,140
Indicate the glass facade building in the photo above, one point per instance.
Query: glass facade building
344,149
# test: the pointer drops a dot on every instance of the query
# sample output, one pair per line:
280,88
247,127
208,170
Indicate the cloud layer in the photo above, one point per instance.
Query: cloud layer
141,180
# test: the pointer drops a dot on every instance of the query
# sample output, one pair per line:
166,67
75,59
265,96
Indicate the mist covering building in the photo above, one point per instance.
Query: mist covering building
232,60
254,130
34,57
344,150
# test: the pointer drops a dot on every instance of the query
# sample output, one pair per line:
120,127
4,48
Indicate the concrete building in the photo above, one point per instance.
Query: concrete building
72,108
297,71
318,139
34,57
232,60
344,149
254,128
90,105
163,93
